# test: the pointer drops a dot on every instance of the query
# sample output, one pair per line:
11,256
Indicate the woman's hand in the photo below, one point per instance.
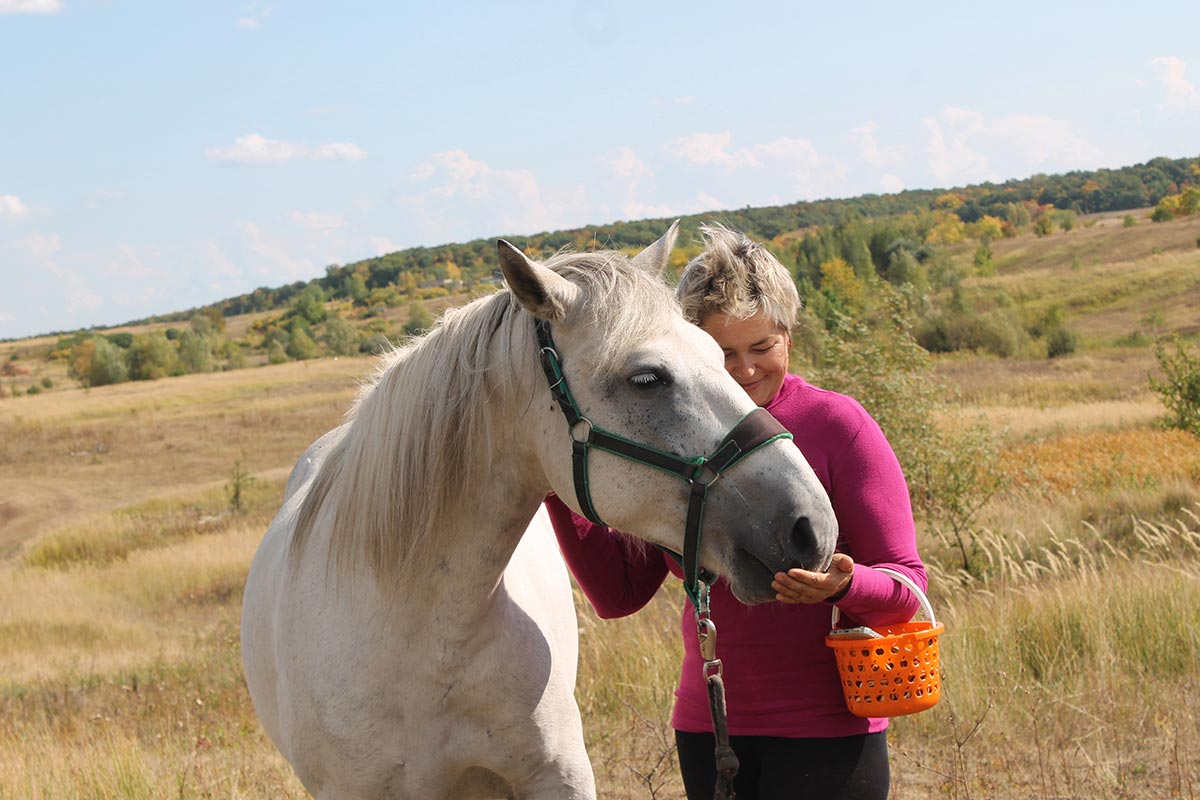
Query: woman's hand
802,586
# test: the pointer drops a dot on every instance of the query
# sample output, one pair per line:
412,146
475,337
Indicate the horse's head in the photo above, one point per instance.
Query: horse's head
636,368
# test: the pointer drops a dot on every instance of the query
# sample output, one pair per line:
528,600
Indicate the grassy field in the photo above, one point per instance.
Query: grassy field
1072,653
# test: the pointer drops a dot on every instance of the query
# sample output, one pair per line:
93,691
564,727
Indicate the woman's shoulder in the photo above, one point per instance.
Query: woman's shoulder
798,396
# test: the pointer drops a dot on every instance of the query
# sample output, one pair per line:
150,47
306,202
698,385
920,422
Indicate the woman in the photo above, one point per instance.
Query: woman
788,721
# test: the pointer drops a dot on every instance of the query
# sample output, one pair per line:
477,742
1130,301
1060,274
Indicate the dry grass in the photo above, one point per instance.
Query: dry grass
67,456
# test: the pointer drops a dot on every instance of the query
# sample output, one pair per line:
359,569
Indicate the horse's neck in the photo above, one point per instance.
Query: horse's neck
476,538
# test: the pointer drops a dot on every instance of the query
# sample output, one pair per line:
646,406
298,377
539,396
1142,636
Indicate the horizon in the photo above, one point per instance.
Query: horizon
149,176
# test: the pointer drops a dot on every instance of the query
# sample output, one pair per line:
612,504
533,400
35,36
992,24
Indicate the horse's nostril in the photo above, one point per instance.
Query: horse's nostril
804,544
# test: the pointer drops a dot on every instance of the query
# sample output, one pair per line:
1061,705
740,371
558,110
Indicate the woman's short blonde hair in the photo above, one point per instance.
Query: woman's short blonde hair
739,277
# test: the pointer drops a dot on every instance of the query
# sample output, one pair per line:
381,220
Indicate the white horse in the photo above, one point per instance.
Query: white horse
408,628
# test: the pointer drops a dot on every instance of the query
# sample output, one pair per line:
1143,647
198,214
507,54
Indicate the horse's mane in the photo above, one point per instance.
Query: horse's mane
422,429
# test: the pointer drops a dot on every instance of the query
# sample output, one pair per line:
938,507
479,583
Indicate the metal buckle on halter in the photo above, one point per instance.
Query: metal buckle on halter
707,634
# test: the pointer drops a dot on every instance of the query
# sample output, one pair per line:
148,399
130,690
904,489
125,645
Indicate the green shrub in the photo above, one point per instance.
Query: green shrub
108,364
1179,388
195,352
35,389
152,356
276,352
301,346
123,340
1060,342
996,332
1129,221
419,319
340,337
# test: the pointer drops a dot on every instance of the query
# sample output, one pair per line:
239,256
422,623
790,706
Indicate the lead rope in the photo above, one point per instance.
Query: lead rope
726,759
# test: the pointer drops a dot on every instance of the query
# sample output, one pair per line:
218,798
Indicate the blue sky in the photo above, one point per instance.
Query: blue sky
156,156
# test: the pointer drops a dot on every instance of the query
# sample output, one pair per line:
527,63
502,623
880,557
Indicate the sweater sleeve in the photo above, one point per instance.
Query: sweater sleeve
617,574
870,499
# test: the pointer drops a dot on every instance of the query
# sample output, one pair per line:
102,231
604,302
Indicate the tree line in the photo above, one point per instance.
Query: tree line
421,272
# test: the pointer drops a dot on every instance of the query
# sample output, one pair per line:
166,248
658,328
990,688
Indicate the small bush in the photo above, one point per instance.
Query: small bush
1179,388
35,389
1060,342
276,352
151,357
1129,221
301,346
47,383
106,364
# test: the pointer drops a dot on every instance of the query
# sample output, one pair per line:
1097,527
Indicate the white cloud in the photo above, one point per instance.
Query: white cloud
75,289
712,148
958,139
891,184
686,100
1045,141
954,161
30,6
256,15
285,266
224,271
453,195
338,151
11,206
381,245
1180,91
870,150
628,165
6,317
42,246
805,171
130,265
256,149
317,221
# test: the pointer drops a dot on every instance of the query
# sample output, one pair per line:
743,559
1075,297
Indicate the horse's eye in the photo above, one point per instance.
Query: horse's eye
647,378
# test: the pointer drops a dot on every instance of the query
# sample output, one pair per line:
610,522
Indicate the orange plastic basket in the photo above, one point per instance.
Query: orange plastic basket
897,674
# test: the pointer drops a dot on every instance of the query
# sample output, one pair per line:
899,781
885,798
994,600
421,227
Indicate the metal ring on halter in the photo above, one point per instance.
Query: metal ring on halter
582,421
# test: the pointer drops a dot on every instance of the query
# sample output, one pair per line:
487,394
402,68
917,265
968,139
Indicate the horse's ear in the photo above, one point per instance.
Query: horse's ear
654,258
542,292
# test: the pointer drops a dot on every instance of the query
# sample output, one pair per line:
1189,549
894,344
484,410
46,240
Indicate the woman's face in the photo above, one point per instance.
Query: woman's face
756,352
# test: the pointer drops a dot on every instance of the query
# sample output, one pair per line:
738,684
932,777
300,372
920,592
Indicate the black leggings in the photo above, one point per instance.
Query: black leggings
777,768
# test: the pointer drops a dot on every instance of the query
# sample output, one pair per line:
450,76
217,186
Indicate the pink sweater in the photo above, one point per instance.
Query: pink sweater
781,679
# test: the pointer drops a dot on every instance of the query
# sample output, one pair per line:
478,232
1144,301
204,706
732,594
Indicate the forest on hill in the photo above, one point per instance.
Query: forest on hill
850,258
389,277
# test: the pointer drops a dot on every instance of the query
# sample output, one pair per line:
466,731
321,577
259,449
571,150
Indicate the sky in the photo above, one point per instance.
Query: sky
158,156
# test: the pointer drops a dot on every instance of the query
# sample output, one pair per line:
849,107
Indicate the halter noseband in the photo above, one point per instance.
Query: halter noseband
756,429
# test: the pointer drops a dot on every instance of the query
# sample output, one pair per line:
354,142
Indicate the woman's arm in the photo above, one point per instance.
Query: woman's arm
870,499
617,574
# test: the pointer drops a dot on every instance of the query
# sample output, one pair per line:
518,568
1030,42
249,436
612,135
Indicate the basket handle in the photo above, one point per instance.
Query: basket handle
908,584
